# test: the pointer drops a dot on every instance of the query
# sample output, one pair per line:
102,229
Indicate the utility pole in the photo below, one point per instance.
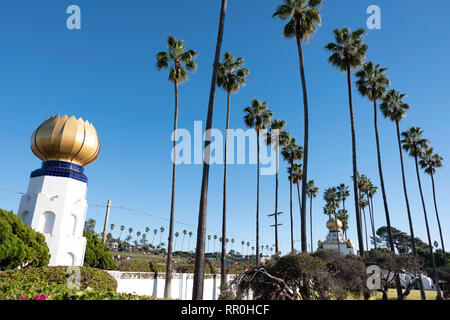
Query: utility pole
275,215
108,205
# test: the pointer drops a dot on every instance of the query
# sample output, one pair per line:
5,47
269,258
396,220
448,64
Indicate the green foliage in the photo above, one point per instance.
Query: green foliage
19,244
140,266
97,254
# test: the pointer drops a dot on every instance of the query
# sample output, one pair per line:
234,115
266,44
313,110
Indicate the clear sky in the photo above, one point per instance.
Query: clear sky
105,73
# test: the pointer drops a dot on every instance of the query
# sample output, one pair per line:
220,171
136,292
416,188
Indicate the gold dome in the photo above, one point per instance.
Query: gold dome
66,139
350,243
331,224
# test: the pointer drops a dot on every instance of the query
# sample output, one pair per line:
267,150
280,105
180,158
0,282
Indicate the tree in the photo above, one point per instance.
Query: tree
122,228
189,243
90,225
273,138
304,19
414,143
349,52
182,61
97,254
344,193
394,108
197,291
182,242
363,205
291,152
176,237
155,232
231,76
312,193
372,83
20,246
297,176
161,230
209,238
430,161
257,116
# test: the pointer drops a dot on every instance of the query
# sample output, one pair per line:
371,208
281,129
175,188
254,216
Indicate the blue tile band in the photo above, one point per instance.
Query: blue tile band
60,169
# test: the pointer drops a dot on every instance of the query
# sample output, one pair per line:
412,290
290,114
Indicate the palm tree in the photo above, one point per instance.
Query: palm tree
304,19
312,193
112,227
182,61
363,203
371,191
291,152
372,83
176,237
342,215
197,289
209,238
242,244
414,144
331,197
248,246
296,179
182,241
349,53
230,77
232,242
273,138
161,230
257,116
130,230
394,108
155,232
122,228
189,242
430,161
344,193
215,238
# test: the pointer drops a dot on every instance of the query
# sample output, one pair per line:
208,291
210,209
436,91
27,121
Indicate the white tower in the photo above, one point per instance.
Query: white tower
55,202
336,240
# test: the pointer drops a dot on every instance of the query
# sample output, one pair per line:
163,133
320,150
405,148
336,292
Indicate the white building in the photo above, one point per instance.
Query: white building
55,202
336,240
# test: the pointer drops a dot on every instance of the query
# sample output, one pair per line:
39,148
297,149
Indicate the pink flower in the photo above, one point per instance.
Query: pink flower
21,298
40,297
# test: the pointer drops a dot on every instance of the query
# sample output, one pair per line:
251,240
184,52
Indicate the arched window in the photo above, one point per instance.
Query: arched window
69,259
47,222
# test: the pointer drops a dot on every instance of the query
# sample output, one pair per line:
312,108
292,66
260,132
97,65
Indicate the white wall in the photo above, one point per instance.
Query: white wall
152,284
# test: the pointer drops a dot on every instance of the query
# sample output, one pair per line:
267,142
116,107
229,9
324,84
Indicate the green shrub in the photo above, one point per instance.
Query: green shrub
19,244
140,266
97,254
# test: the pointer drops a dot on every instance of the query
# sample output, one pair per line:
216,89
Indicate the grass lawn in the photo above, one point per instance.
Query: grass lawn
414,295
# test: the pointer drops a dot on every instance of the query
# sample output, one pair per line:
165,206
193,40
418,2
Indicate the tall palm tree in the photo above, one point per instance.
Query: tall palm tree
291,152
297,179
257,116
182,241
371,191
372,83
394,108
176,237
161,229
189,242
349,52
363,203
344,193
215,238
304,19
312,193
232,242
231,76
155,232
430,161
414,144
122,228
209,239
197,289
342,215
273,138
181,61
242,244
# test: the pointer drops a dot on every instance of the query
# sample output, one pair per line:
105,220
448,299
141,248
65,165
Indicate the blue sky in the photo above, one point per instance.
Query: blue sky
105,73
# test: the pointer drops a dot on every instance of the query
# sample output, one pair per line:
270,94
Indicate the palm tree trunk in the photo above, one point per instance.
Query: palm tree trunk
355,170
223,281
411,228
436,278
290,208
310,223
383,192
257,201
168,281
437,216
337,233
372,222
276,201
365,227
305,141
197,290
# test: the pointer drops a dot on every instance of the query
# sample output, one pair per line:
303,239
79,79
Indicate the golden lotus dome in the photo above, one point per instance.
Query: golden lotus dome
331,224
350,243
66,139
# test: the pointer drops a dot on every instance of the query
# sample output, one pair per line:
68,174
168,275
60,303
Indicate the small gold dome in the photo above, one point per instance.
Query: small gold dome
66,139
350,243
331,224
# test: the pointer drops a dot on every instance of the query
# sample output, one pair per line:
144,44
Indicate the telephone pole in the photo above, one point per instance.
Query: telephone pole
276,225
108,205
